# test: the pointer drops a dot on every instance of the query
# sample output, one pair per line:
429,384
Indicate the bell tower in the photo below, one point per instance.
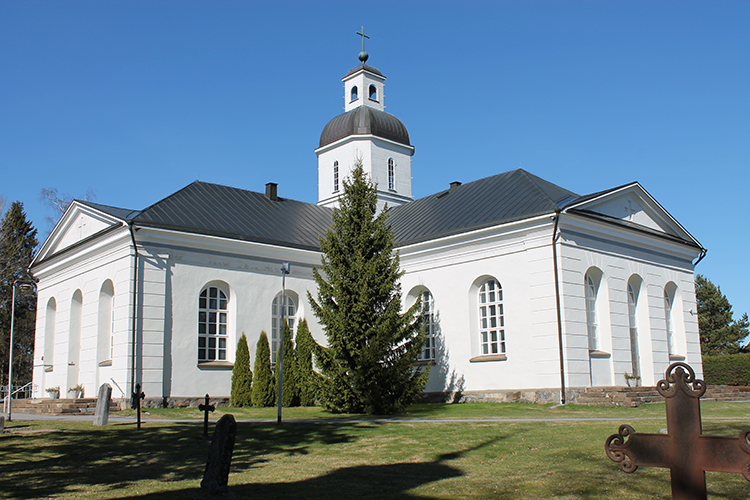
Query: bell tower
365,131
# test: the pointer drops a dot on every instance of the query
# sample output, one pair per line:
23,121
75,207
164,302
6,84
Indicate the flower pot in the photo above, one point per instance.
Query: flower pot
54,394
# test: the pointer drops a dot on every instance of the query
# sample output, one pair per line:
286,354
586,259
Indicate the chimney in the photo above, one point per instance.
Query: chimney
455,184
271,191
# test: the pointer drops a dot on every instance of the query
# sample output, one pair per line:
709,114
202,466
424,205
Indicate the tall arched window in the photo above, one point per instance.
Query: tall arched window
212,324
491,318
373,93
335,176
354,93
74,339
49,334
276,324
428,320
591,283
105,337
669,292
634,287
391,174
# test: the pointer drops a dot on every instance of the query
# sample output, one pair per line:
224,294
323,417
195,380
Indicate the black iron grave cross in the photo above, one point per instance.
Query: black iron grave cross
205,408
137,396
683,449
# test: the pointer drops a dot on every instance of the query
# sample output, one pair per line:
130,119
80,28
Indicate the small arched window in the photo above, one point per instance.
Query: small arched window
491,318
373,93
634,286
335,176
212,325
669,292
276,323
428,320
49,335
391,174
354,95
591,282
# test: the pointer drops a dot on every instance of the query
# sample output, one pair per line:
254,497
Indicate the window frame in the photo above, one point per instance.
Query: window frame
427,315
220,336
491,315
391,174
276,326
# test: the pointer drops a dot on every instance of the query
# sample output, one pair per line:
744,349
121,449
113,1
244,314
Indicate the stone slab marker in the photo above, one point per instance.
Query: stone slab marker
216,477
101,417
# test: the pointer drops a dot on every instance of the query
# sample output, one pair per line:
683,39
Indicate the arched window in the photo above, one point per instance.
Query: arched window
354,93
212,325
391,174
373,93
491,318
669,292
276,324
591,283
428,320
335,176
634,287
74,339
105,337
49,334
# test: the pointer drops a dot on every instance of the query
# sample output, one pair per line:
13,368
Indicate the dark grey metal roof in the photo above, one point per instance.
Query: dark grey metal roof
486,202
364,120
216,210
121,213
365,67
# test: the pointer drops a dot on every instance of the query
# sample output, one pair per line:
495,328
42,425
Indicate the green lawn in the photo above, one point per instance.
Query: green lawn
333,456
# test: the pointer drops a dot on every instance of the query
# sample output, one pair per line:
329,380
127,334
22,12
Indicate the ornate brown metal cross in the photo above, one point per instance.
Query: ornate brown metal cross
684,449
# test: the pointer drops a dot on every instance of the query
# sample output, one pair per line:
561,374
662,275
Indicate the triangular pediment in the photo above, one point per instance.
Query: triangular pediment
632,205
80,222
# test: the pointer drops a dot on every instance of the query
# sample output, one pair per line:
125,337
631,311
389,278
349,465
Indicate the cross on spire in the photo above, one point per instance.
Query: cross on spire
363,56
362,34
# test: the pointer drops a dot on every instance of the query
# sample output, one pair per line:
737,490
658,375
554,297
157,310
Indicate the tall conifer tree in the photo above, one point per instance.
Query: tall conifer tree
720,332
368,366
242,376
264,384
17,243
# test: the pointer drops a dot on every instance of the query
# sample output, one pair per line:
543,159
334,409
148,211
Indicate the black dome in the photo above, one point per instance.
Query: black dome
364,120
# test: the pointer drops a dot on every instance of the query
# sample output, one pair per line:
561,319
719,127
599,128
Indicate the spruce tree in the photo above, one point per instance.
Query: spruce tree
290,391
264,384
17,243
719,332
368,366
307,379
242,376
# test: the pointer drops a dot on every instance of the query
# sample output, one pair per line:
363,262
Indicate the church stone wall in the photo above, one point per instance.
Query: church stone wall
619,256
86,270
520,258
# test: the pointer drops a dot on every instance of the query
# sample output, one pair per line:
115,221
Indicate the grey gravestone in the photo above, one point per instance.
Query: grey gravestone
2,425
216,477
101,417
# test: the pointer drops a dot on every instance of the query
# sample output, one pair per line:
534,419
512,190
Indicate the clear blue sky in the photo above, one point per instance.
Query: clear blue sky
137,99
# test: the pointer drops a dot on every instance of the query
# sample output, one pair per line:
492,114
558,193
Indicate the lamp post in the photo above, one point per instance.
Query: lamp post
285,269
25,286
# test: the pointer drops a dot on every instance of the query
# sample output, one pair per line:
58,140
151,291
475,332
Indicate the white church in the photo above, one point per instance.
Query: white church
528,288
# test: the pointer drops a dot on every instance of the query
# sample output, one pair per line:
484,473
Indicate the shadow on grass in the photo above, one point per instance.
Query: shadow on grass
47,464
388,481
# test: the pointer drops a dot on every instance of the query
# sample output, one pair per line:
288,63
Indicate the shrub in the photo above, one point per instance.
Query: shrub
264,386
728,369
290,391
307,379
242,376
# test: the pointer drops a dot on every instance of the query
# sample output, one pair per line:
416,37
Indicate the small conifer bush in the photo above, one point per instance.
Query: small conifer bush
264,384
307,379
242,376
290,391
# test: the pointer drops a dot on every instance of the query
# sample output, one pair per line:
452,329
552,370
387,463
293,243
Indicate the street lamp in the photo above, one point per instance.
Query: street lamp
286,268
25,285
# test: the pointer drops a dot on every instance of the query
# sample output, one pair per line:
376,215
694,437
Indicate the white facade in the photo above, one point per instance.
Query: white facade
597,290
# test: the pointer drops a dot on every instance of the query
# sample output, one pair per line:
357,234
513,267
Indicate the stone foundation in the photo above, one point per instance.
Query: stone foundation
541,396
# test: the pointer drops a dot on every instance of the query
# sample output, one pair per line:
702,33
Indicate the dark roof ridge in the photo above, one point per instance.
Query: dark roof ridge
121,213
535,180
170,196
591,196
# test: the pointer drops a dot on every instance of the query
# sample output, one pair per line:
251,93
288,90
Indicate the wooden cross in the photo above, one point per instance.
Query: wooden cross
205,408
137,396
683,449
362,34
